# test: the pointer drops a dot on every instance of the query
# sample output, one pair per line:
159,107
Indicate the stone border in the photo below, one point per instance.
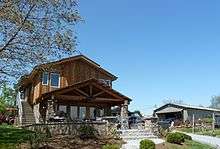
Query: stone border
67,128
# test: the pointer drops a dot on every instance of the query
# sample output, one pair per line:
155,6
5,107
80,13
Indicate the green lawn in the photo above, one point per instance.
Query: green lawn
10,136
198,131
187,145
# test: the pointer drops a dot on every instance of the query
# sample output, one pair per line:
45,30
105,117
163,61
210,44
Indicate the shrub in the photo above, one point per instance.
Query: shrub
147,144
111,146
35,139
185,136
175,138
207,120
87,132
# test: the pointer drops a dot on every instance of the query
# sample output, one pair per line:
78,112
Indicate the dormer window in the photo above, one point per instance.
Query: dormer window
55,80
45,78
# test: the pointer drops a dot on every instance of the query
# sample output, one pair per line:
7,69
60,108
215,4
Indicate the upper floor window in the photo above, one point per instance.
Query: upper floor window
55,79
45,78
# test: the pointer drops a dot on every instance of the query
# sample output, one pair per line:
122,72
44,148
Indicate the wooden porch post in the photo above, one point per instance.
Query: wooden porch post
78,111
87,112
68,110
107,111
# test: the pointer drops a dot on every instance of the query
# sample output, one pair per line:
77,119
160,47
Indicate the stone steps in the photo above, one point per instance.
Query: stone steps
27,115
136,134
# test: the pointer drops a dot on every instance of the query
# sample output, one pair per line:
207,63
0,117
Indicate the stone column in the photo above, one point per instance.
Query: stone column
50,109
124,115
124,109
36,111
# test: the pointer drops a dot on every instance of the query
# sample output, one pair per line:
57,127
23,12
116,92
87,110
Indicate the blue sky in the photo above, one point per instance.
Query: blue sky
159,49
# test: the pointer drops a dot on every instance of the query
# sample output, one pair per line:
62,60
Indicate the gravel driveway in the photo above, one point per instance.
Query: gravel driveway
213,141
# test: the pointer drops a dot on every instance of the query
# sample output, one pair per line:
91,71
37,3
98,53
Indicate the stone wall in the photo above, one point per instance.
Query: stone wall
67,128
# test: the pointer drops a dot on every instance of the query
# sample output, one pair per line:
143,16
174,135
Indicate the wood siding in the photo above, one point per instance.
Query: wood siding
70,73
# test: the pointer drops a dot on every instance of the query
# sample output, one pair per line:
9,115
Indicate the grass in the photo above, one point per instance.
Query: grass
187,145
216,133
11,136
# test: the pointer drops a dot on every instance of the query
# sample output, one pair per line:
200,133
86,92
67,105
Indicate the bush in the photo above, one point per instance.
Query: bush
87,132
147,144
175,138
185,136
35,139
111,146
207,120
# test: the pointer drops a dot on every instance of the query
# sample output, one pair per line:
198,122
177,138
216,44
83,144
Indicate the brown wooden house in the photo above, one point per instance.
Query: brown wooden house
77,86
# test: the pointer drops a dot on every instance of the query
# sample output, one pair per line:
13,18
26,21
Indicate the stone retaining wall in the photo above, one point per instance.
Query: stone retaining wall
67,128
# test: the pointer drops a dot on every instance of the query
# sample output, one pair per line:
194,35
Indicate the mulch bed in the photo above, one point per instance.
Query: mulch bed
70,142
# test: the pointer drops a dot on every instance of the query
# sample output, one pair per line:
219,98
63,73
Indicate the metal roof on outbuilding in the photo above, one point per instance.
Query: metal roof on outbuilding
165,108
169,110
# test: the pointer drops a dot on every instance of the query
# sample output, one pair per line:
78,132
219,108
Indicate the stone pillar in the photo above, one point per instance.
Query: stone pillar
36,111
50,109
124,109
124,115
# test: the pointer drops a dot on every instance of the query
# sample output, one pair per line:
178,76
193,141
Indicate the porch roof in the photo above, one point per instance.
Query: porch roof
89,91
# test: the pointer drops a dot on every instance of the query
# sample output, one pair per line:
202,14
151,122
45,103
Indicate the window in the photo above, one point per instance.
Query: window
45,78
54,79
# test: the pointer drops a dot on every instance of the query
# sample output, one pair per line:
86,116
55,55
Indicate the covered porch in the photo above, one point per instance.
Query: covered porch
85,100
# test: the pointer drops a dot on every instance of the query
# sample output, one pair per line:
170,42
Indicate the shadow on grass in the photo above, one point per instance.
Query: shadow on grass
12,135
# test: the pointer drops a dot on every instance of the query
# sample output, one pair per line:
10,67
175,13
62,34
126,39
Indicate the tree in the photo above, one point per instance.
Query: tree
138,112
215,102
2,106
33,32
8,96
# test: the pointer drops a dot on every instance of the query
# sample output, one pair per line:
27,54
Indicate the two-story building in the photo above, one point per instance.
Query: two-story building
76,85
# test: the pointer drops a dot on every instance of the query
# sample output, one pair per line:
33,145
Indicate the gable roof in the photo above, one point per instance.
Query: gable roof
86,83
37,68
183,106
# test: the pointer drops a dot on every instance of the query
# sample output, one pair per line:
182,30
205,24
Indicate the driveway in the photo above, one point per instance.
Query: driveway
213,141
